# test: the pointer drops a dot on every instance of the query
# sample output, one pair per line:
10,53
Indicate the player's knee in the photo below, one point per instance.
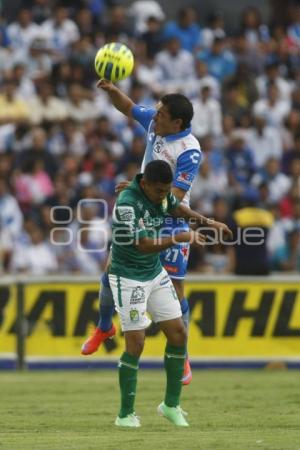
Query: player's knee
179,335
136,346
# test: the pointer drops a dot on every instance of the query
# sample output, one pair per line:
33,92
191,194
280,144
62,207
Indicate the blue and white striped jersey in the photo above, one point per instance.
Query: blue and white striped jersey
181,150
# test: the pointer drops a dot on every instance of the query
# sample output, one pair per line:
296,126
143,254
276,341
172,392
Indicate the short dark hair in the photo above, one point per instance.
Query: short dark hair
158,171
179,107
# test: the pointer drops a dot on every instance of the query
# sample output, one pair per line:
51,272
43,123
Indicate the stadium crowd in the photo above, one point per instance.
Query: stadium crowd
61,141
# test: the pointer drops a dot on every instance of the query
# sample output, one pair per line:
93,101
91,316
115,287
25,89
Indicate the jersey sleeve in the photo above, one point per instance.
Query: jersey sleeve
143,115
186,169
128,224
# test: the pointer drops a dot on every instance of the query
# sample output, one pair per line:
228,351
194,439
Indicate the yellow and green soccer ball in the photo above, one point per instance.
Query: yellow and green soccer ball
114,62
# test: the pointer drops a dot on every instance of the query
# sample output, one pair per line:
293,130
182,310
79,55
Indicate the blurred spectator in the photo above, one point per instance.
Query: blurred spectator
207,114
5,54
41,10
37,150
25,86
176,65
152,37
117,28
214,29
11,219
32,185
251,226
39,62
253,28
13,109
46,106
231,104
84,21
265,141
79,107
22,32
221,62
185,29
214,154
287,257
272,108
278,183
241,165
294,27
142,10
245,85
218,256
207,186
193,86
272,76
36,257
247,55
60,31
291,155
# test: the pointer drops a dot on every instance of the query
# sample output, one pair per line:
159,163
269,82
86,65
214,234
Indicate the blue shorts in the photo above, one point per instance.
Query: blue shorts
175,258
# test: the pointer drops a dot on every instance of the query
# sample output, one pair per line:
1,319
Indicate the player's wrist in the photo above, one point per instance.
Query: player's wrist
184,236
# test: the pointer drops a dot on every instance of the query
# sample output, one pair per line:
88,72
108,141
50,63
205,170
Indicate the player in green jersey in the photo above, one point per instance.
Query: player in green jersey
140,284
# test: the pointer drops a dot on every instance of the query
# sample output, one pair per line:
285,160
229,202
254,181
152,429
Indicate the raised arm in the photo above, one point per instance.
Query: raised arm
120,100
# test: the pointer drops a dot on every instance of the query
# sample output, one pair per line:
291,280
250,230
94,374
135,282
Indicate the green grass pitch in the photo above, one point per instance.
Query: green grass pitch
235,410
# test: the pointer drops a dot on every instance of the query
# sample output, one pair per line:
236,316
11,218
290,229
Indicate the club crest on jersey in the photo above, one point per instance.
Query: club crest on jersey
158,146
185,252
126,213
134,315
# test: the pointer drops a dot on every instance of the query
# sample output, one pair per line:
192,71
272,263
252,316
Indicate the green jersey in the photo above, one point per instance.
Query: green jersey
136,217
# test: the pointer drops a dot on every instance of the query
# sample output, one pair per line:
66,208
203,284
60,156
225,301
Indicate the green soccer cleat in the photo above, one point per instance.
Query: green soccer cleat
131,420
174,414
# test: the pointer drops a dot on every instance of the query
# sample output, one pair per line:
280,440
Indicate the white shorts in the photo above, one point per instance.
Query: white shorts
134,298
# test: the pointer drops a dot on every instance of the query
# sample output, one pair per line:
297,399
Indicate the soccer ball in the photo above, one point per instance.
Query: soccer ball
114,62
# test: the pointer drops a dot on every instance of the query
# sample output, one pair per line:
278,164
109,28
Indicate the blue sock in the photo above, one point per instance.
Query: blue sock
185,309
107,306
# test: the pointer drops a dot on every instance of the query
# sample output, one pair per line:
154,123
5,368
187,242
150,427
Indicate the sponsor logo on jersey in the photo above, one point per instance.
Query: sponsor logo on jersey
171,268
138,295
195,157
185,177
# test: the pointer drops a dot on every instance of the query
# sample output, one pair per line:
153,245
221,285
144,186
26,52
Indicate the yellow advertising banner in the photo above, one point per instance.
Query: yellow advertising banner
228,319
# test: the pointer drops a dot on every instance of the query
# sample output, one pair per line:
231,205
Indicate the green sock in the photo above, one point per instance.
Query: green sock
128,367
174,364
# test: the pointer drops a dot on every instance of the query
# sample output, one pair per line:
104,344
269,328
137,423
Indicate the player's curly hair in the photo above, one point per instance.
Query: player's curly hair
179,107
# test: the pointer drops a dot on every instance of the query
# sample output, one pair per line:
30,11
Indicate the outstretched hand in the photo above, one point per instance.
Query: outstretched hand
224,229
106,85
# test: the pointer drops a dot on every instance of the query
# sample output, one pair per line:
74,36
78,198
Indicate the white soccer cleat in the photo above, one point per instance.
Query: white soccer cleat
131,420
173,414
